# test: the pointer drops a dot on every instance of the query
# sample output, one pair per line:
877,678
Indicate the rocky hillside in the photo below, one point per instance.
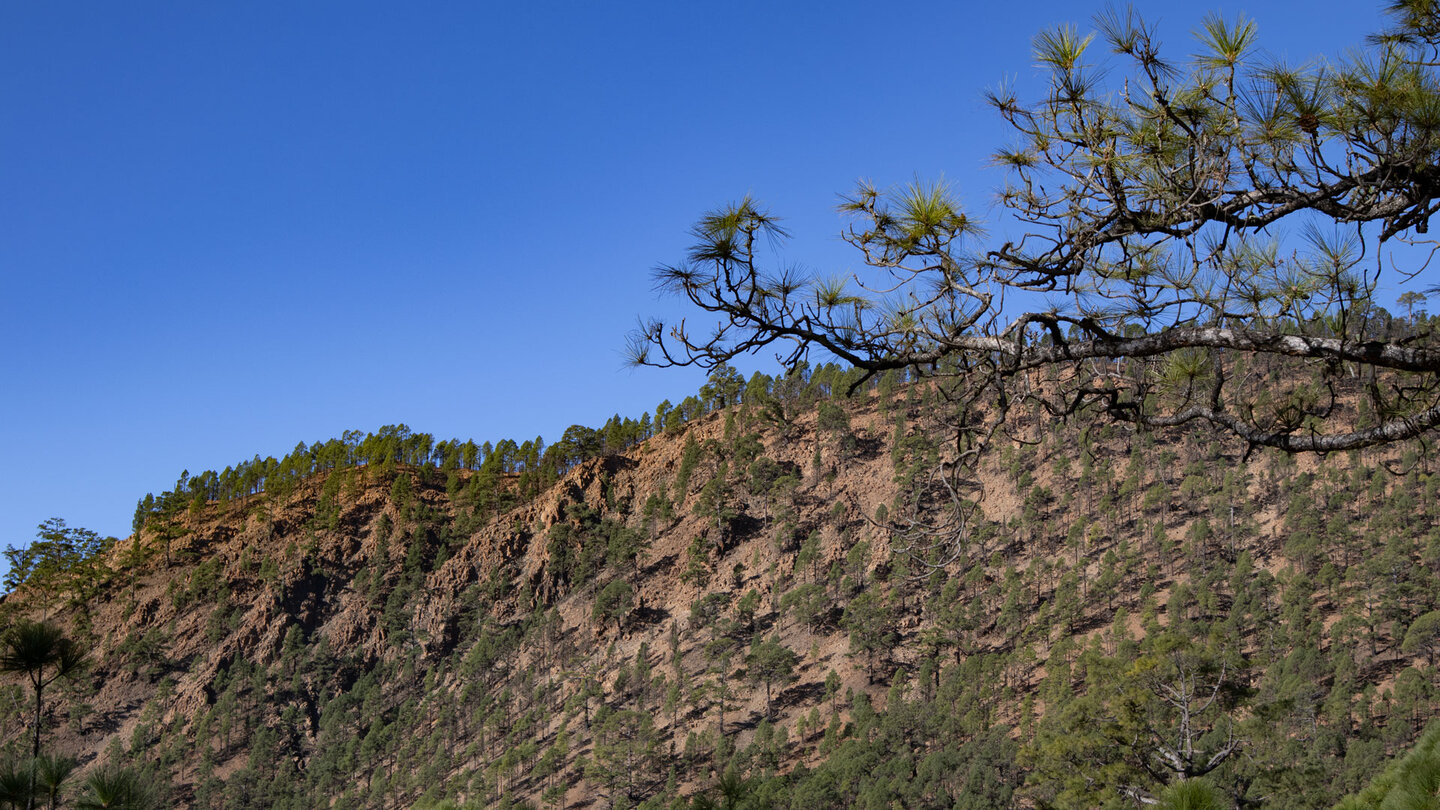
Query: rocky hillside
742,608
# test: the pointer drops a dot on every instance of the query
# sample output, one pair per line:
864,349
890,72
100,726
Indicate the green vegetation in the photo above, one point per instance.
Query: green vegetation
61,561
1096,646
1147,193
1412,781
42,654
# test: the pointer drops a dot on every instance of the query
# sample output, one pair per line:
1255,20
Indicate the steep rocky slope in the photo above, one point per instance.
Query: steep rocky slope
722,610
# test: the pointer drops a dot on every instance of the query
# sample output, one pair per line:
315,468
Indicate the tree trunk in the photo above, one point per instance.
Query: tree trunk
39,685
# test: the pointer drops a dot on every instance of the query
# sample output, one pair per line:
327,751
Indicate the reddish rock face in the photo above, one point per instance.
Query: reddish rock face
355,613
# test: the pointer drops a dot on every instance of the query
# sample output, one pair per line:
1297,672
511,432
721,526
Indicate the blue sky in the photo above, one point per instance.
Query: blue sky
228,228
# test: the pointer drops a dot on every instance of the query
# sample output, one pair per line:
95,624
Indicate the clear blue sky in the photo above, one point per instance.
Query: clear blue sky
227,228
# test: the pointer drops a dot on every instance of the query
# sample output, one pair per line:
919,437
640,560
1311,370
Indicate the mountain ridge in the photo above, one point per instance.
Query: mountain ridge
370,610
